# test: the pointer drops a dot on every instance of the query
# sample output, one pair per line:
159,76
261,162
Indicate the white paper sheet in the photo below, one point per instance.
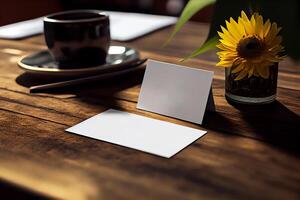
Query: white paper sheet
128,26
138,132
124,26
22,29
175,91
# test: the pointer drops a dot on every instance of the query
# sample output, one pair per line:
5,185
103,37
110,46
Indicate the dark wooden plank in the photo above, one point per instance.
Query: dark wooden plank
217,166
48,112
249,153
252,122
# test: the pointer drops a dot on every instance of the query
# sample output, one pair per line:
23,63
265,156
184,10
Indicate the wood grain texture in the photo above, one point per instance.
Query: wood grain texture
248,153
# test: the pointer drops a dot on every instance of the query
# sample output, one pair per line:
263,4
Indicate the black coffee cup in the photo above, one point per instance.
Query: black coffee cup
78,38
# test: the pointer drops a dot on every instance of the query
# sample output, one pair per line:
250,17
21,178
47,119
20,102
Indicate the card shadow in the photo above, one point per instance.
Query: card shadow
261,123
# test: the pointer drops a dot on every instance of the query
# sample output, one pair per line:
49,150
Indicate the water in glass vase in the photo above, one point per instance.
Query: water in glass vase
252,90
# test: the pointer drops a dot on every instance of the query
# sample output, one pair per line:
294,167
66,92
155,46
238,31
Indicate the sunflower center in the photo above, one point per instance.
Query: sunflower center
250,47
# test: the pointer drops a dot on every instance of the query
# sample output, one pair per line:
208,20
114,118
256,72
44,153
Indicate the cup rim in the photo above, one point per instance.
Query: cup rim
102,16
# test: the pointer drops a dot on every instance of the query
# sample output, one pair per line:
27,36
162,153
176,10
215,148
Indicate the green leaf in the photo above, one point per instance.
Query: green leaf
192,7
210,44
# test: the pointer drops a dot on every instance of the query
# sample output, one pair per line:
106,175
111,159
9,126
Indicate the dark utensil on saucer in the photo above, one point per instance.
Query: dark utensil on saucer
41,88
78,38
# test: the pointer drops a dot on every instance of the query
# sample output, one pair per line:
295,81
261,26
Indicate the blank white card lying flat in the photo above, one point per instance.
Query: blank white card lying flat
142,133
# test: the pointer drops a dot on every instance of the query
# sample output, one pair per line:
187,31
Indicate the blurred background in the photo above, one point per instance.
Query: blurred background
29,9
284,12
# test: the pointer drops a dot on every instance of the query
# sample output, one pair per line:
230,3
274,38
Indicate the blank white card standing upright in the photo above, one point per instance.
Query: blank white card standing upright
176,91
142,133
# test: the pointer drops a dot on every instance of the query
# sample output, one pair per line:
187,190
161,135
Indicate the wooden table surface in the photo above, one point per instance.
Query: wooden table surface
248,152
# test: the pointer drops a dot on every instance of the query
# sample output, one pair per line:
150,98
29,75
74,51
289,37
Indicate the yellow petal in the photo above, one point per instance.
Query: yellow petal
225,48
223,63
242,74
229,35
227,54
244,20
263,71
251,70
232,30
246,26
238,68
267,27
253,23
228,44
226,32
227,38
238,27
272,34
244,16
259,26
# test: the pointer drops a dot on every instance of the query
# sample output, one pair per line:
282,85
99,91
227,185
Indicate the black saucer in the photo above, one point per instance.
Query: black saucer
43,64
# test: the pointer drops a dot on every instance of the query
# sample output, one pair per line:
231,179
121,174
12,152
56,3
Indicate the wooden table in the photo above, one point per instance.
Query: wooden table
248,152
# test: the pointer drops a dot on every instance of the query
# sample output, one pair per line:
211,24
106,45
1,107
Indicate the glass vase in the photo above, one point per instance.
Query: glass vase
252,90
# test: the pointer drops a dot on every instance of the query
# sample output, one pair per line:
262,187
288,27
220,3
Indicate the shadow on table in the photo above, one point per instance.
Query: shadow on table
11,191
274,123
99,88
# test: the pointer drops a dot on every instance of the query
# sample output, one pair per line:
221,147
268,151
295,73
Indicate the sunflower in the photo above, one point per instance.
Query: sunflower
250,46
